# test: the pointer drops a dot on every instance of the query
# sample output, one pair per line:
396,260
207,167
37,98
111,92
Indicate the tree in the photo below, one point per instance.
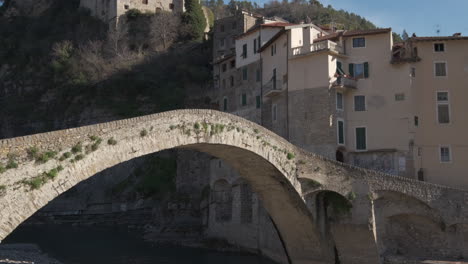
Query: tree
194,18
404,35
163,30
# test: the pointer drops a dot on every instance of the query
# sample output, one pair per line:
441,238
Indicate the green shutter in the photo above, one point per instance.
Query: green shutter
351,69
366,70
225,104
244,99
258,101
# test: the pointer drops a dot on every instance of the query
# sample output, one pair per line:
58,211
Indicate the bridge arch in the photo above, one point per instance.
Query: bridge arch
266,161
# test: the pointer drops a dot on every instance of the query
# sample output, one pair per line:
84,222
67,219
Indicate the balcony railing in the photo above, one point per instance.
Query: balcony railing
272,88
344,82
325,45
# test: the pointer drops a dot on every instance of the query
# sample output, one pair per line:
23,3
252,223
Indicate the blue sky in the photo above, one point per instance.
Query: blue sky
424,17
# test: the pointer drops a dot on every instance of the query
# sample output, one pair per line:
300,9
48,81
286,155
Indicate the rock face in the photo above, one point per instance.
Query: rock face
323,210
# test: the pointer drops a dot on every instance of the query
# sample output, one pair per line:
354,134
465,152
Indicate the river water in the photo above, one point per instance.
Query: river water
92,245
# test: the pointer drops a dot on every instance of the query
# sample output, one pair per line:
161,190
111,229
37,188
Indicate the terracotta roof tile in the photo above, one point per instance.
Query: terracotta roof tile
437,38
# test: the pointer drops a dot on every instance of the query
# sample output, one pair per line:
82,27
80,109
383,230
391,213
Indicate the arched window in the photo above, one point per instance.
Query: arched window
246,203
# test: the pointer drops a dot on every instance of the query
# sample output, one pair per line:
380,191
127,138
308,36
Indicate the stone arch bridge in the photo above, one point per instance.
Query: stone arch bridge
324,210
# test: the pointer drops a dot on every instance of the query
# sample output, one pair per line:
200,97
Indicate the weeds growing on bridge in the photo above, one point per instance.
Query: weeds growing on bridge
45,156
111,141
37,182
77,148
65,156
2,169
2,190
143,133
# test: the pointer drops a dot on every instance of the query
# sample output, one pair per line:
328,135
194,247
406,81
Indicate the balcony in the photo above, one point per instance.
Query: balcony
344,83
272,88
325,45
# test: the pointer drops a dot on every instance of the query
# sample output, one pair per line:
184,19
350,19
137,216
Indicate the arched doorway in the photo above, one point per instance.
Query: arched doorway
340,155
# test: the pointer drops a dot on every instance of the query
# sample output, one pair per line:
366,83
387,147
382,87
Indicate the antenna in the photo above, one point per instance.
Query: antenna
437,29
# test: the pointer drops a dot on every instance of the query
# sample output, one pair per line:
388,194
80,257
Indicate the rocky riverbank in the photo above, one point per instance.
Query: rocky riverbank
24,253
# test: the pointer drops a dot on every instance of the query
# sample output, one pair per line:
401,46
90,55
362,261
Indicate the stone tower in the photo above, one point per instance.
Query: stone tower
110,10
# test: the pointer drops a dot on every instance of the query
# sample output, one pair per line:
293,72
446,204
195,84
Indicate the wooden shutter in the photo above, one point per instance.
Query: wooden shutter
366,70
351,69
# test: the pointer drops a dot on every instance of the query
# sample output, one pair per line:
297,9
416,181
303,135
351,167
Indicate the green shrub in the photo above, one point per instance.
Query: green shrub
112,141
93,138
196,126
35,182
32,152
45,156
60,168
2,189
11,164
79,157
2,169
290,156
256,131
143,133
52,174
77,148
95,146
65,156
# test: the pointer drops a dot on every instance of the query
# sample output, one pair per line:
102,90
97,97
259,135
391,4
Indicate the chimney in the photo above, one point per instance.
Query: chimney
457,34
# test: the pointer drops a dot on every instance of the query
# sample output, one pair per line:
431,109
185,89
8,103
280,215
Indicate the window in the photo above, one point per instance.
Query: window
258,75
255,46
361,141
360,70
126,6
359,42
171,6
222,28
439,47
234,25
224,67
399,97
273,79
244,51
233,64
339,68
225,104
232,81
339,101
158,9
244,99
443,109
359,103
440,69
145,2
273,49
259,43
413,72
445,154
258,101
221,42
416,121
244,74
341,136
274,112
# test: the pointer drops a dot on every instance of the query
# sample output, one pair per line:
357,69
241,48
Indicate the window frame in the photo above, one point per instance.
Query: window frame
242,97
439,43
342,101
338,120
435,69
356,139
447,103
245,74
449,153
244,51
359,47
354,103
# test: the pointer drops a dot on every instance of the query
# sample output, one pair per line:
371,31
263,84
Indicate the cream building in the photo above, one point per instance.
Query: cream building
438,67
